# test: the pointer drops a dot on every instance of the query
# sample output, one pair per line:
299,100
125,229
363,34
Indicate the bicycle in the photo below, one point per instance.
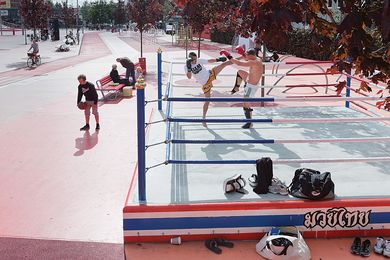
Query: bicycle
33,60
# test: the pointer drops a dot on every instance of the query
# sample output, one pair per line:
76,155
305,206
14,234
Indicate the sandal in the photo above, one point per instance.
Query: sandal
213,246
223,242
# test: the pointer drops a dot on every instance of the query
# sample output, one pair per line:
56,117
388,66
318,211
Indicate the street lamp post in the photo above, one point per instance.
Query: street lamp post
77,23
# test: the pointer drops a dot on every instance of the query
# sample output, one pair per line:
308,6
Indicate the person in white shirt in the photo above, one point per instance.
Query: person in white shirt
195,67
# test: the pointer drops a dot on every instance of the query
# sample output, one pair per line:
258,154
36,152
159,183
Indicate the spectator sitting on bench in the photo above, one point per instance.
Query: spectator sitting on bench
114,75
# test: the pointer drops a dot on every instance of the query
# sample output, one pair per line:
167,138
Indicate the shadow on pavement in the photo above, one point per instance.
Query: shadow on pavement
17,65
87,142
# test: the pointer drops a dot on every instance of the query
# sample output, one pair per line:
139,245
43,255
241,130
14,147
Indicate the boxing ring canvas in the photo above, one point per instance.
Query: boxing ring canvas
187,199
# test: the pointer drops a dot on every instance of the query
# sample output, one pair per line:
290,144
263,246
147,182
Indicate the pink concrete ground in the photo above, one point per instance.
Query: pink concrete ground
60,187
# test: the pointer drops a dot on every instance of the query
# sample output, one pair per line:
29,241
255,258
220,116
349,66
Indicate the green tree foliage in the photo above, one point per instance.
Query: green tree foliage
120,13
98,12
57,10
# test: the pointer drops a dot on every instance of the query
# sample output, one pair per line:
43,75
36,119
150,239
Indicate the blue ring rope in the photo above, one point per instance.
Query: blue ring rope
219,120
211,162
253,141
186,99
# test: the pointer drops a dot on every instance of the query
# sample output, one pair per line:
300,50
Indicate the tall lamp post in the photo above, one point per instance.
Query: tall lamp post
77,23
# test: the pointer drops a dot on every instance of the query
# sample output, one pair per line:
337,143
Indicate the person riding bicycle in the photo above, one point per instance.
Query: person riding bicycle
35,50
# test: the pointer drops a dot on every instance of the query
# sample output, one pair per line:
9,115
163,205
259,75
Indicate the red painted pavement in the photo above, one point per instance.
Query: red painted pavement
92,48
22,248
321,249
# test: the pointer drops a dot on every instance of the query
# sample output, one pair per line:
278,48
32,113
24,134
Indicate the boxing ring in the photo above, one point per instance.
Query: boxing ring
176,189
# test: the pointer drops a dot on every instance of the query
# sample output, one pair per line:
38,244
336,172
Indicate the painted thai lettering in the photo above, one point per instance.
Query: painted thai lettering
333,217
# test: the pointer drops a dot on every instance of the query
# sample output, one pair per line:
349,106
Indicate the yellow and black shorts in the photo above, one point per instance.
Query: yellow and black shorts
209,84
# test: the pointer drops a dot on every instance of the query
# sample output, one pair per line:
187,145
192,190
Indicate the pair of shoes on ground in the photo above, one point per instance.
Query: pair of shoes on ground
213,244
359,248
382,246
276,187
87,127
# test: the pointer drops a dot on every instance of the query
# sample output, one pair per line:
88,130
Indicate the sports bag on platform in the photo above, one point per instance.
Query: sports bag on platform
264,175
284,243
311,184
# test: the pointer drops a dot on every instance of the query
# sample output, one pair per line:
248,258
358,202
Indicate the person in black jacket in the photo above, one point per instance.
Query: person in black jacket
129,66
87,89
114,75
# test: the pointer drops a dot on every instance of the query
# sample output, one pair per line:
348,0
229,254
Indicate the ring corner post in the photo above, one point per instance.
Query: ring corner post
140,85
159,79
348,91
348,88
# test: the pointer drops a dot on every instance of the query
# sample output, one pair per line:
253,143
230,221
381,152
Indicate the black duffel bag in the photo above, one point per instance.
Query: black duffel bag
311,184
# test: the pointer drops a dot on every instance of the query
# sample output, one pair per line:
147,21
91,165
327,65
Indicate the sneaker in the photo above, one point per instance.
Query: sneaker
379,245
226,54
278,187
366,248
240,49
253,180
97,127
85,128
356,246
386,248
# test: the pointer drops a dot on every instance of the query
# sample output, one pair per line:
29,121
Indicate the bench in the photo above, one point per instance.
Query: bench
104,85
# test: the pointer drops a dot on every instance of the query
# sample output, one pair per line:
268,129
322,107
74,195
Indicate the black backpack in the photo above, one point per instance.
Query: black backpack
312,185
264,175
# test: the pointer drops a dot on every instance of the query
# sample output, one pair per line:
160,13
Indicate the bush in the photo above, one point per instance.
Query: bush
303,43
221,37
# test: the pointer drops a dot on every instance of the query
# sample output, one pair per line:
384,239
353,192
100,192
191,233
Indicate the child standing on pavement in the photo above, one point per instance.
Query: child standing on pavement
87,89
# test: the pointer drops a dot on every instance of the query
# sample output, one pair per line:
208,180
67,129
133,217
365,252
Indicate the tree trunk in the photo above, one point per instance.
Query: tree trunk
200,33
141,44
186,41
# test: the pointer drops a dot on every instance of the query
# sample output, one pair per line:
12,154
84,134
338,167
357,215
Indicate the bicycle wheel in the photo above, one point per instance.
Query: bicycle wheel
38,61
29,62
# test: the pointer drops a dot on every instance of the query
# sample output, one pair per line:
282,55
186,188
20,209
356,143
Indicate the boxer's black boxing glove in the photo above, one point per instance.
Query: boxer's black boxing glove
221,59
188,63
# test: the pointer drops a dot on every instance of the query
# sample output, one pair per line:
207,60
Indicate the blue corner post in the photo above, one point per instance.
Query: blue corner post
140,85
159,79
348,89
